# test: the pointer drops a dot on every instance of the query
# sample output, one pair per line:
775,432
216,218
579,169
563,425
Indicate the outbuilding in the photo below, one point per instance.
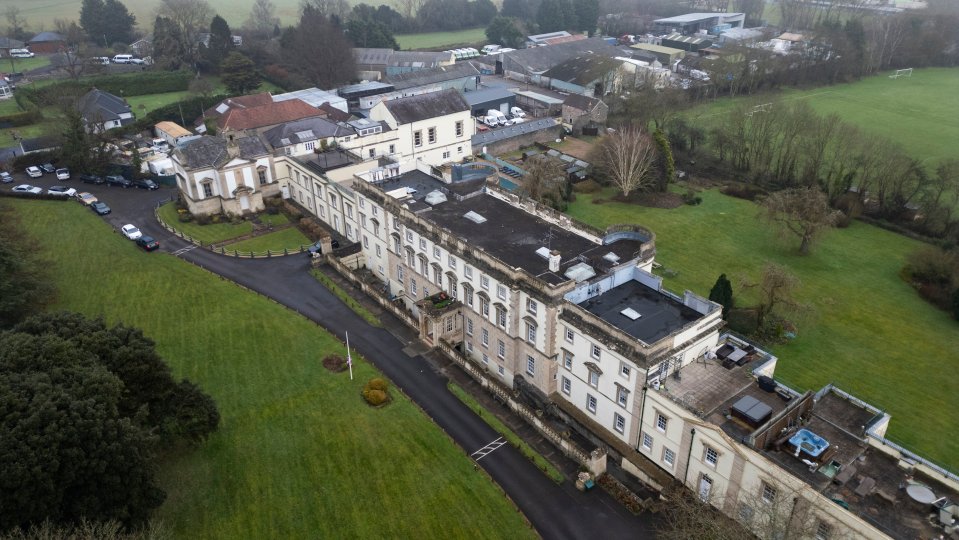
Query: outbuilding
46,43
498,98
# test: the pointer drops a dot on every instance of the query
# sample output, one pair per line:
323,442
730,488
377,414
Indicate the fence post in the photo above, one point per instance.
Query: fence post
269,253
236,253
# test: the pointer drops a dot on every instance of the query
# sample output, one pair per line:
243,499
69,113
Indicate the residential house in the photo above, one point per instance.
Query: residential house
46,43
9,43
581,111
434,128
102,111
569,320
588,74
230,173
306,136
142,47
256,111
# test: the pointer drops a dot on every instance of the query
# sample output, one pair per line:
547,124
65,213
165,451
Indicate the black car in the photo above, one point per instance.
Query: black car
100,208
47,168
116,180
91,179
148,243
145,183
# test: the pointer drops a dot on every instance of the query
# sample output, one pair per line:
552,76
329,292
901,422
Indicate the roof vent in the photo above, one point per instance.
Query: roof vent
611,257
474,217
435,197
631,313
543,252
580,272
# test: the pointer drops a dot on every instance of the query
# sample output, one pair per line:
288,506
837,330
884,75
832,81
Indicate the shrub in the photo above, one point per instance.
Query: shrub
203,219
374,397
335,363
599,200
185,217
377,384
586,186
691,198
742,191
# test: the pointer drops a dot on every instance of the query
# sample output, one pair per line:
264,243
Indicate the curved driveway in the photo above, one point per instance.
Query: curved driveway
556,511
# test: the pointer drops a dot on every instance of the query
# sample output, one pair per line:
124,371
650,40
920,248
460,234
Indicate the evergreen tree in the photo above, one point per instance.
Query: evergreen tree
238,74
107,21
370,33
519,9
221,42
587,15
550,16
168,51
503,31
722,294
75,151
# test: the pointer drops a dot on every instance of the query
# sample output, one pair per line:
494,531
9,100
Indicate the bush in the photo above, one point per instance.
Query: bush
377,384
335,363
185,217
203,219
742,191
587,186
272,210
599,200
691,198
374,397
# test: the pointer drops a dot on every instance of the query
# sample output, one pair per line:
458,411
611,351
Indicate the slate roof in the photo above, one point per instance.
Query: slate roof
37,144
434,75
46,36
430,105
9,43
334,114
211,151
98,107
584,69
581,102
540,59
308,129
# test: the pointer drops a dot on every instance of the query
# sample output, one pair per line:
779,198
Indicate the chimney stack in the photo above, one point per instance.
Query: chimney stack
554,261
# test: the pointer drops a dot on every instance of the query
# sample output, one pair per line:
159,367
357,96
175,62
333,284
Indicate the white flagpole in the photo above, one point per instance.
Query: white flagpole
349,359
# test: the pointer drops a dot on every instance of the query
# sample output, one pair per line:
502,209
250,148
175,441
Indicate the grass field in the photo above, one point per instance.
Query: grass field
24,64
912,111
868,331
214,232
291,239
298,453
436,40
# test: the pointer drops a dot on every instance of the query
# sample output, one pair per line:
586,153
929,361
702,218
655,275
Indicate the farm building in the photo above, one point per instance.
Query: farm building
528,64
390,62
589,75
315,97
8,43
692,23
538,104
498,98
686,43
665,55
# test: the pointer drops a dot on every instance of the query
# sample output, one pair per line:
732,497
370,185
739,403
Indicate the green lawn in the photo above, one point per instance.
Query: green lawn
868,331
9,106
214,232
24,64
913,111
298,453
436,40
290,239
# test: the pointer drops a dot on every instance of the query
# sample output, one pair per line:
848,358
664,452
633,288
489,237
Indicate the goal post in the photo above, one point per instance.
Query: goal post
901,73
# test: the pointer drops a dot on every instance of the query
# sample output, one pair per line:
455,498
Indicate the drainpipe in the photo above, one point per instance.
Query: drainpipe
692,439
642,409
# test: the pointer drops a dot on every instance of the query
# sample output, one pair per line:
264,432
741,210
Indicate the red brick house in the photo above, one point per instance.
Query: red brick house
46,43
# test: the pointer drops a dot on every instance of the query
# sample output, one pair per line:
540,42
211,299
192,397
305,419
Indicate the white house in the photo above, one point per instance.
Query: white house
102,111
434,128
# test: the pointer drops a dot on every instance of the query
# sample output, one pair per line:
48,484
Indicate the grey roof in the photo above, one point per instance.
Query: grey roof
369,86
312,96
212,152
98,106
581,102
660,315
46,36
308,129
430,105
695,17
486,137
539,59
487,94
434,75
9,43
583,69
39,143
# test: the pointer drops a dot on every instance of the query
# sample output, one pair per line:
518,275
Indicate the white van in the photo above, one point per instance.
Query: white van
122,59
21,53
100,60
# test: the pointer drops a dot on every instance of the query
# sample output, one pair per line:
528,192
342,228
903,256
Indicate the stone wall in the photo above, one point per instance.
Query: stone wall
513,144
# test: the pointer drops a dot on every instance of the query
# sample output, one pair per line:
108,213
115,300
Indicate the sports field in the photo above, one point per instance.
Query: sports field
918,112
865,330
298,454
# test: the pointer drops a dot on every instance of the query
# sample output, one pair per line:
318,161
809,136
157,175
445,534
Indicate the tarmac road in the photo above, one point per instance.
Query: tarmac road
555,511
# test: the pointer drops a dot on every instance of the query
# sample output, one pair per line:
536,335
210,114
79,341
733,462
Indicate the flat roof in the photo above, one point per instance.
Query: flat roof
539,97
487,94
509,234
660,315
312,96
657,48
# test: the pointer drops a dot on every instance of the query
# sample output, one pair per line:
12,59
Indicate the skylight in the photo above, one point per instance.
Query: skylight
474,217
611,257
631,313
543,252
435,197
308,134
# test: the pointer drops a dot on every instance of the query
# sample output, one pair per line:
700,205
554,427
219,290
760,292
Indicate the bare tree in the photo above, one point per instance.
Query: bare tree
192,17
776,287
330,8
627,157
803,212
262,19
15,22
544,177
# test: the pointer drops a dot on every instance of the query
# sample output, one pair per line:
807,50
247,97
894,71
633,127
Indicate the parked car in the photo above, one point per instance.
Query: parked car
21,53
131,231
63,174
100,60
137,61
6,177
27,188
100,208
91,179
48,168
517,112
62,191
86,198
117,180
145,183
148,243
122,58
34,172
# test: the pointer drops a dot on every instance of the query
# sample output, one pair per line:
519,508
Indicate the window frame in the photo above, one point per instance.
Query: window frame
646,437
591,403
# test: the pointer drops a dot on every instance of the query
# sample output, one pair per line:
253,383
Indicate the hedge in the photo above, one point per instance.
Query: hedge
23,118
123,85
191,108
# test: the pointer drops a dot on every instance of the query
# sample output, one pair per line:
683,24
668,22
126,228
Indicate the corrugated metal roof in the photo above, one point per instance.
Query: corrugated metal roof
488,137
